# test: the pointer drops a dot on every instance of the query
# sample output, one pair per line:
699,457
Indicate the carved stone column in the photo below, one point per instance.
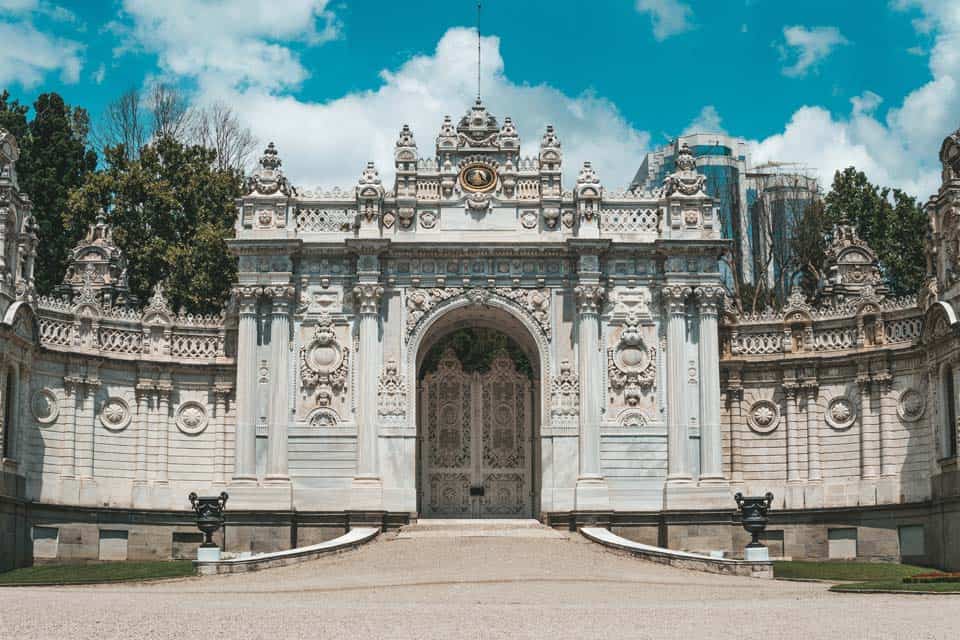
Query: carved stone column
711,445
368,296
589,299
735,407
675,301
88,418
813,433
164,391
68,468
221,398
277,457
792,415
142,391
888,412
869,434
245,451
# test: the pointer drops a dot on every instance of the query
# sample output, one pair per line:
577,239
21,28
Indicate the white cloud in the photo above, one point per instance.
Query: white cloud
866,103
328,143
669,17
99,74
28,55
236,43
38,7
807,47
707,121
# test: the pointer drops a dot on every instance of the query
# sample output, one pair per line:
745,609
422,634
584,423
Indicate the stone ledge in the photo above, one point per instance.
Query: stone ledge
353,538
680,559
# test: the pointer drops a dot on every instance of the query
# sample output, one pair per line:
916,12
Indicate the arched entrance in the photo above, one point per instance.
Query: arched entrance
478,410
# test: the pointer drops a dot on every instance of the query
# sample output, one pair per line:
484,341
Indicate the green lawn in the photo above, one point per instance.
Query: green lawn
899,585
102,572
862,576
845,571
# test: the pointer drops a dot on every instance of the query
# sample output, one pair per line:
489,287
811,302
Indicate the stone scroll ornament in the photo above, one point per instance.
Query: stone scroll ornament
392,393
324,362
631,365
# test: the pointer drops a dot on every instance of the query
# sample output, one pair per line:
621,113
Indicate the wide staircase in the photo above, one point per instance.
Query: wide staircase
489,528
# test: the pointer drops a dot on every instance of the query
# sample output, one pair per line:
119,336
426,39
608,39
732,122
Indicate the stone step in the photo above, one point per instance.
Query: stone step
487,528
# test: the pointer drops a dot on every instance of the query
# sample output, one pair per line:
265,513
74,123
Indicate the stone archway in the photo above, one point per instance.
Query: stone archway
478,453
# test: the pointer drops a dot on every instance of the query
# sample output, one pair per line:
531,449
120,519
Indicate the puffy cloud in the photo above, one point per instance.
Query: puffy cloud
669,17
807,47
233,43
707,121
328,143
28,55
866,103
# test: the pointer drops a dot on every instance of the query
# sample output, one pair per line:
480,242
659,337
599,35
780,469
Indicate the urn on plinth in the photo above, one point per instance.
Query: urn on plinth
209,511
753,517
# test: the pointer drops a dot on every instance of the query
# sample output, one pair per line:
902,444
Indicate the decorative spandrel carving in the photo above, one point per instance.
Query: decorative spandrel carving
565,395
392,393
420,301
324,363
535,301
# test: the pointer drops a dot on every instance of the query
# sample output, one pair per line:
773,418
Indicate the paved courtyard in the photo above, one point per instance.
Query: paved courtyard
503,585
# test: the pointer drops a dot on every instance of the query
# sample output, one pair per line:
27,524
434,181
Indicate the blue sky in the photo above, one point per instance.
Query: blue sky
875,83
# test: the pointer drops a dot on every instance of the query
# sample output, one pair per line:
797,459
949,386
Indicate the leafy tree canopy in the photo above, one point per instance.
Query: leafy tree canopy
172,211
54,158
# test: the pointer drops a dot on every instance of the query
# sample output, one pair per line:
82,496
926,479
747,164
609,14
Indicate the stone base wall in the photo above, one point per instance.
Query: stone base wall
72,534
926,533
14,527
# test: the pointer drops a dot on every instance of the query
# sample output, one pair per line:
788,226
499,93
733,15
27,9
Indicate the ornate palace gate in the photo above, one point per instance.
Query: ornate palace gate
475,445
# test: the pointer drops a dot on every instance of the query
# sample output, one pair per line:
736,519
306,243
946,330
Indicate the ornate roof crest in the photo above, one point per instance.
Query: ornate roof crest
405,138
685,180
268,179
550,139
478,127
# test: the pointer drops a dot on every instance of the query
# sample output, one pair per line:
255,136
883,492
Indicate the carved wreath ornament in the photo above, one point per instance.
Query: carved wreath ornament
191,417
115,414
841,413
911,406
324,362
764,416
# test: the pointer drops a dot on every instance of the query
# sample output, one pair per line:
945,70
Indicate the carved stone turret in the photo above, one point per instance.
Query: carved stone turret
98,268
852,266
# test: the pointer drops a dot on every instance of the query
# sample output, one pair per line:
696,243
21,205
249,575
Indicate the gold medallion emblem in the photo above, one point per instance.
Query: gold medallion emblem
477,178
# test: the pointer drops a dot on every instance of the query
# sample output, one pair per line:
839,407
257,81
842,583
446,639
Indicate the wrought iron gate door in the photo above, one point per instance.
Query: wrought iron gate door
476,441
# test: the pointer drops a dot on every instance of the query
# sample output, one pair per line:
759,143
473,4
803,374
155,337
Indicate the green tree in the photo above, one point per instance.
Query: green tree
172,211
808,246
54,158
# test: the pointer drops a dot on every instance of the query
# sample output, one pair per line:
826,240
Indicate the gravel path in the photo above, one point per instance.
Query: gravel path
467,588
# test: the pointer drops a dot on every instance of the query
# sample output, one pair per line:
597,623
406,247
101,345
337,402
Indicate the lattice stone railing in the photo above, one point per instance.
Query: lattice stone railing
629,220
835,339
122,333
757,343
904,330
320,219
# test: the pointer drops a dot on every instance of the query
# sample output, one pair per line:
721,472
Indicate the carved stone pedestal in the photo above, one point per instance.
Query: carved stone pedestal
366,494
592,494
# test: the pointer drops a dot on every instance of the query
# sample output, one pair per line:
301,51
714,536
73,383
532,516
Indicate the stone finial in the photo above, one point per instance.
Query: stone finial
97,268
550,139
685,180
405,139
268,179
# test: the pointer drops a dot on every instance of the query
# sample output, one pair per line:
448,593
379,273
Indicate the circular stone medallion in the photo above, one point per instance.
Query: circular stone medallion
911,406
191,417
115,414
477,178
764,416
44,406
841,413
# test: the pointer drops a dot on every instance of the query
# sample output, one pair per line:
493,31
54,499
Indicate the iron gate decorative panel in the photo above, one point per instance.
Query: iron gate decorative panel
476,433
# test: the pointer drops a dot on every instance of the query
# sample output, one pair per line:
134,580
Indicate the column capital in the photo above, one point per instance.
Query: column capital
247,297
281,297
708,298
675,298
368,297
589,297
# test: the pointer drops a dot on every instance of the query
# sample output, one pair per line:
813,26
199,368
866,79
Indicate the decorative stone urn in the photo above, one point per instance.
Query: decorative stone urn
753,517
209,519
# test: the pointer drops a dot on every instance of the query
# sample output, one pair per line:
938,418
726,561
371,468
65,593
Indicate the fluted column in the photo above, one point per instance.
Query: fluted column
164,391
675,301
368,300
142,392
245,451
277,459
869,434
711,445
221,398
888,412
589,298
813,434
792,417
